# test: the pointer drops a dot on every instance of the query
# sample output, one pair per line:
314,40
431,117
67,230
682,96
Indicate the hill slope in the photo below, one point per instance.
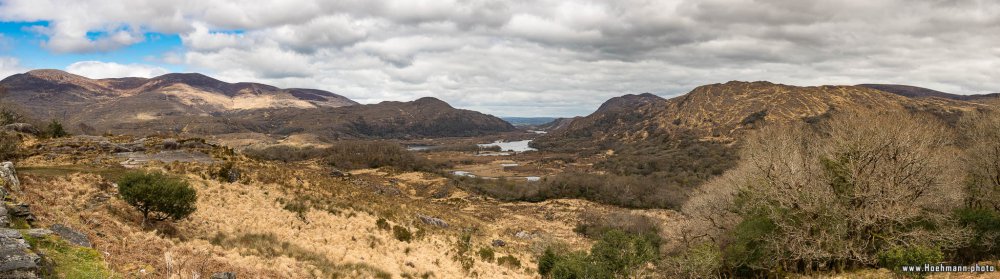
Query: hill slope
60,95
723,111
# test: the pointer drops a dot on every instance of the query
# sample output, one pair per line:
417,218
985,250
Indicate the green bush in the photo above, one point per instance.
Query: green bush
616,254
619,252
70,261
547,261
509,260
402,234
702,260
382,224
577,265
55,130
157,196
895,258
486,254
985,227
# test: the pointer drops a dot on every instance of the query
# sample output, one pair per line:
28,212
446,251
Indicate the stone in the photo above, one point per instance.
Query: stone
8,175
16,258
499,243
224,275
432,221
71,235
524,235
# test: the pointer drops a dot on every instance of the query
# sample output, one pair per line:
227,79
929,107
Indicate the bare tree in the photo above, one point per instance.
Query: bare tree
834,195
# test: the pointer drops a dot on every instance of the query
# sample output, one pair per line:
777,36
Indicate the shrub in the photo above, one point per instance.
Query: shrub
486,254
373,154
615,254
402,234
9,146
9,116
382,224
509,261
702,260
226,173
463,247
985,228
547,261
620,253
895,258
55,129
157,196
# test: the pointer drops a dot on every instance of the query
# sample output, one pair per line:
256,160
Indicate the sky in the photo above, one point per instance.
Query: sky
513,57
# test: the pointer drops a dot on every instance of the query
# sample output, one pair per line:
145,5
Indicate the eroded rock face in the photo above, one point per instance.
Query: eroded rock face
16,258
8,178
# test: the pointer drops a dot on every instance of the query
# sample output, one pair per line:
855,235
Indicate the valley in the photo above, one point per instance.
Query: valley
703,185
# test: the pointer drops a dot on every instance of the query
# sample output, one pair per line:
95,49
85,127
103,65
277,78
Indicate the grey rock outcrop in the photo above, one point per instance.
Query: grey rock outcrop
432,221
8,178
71,235
16,258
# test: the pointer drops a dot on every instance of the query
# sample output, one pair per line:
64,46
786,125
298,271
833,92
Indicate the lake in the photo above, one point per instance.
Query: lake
515,146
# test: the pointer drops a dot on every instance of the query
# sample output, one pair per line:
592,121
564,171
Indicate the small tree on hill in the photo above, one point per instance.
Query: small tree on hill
55,129
158,197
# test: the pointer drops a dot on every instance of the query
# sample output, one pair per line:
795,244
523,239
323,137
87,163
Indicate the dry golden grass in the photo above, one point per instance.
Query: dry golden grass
294,221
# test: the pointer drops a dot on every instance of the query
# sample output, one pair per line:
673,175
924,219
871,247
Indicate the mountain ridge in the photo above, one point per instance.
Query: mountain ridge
722,111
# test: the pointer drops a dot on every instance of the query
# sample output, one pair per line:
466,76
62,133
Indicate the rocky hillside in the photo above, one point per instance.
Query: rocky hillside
54,94
723,111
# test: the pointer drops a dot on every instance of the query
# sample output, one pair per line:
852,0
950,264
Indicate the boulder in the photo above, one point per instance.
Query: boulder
432,221
71,235
499,243
16,258
8,178
21,128
224,275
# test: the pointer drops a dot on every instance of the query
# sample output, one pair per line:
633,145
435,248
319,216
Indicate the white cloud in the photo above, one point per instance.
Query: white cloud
98,69
9,66
545,57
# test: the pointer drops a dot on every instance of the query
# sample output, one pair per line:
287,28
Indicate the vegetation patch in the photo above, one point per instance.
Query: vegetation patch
68,260
270,246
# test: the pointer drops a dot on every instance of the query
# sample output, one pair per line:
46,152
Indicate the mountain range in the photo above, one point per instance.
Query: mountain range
197,104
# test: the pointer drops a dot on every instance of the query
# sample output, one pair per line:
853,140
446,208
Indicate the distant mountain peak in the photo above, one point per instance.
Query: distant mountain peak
431,101
53,74
629,101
